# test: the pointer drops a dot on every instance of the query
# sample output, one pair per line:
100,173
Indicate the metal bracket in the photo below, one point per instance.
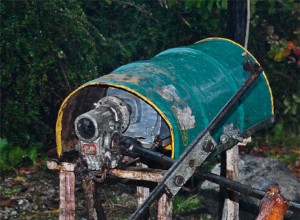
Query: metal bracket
188,166
230,133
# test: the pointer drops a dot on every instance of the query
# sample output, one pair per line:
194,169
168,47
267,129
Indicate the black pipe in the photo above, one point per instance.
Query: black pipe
240,188
236,20
131,147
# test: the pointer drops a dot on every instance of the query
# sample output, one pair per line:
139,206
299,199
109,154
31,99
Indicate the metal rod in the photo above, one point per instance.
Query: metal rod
157,176
131,147
255,71
239,187
222,181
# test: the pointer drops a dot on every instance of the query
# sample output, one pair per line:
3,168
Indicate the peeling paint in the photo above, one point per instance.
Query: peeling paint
185,118
169,93
135,79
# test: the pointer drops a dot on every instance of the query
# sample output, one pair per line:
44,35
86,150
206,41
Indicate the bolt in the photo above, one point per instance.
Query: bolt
192,163
208,146
178,180
224,138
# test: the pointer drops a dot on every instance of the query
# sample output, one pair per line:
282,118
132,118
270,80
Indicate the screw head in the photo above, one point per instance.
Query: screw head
178,180
208,146
192,163
224,138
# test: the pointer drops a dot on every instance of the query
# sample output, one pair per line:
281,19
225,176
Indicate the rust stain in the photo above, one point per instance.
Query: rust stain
151,176
230,174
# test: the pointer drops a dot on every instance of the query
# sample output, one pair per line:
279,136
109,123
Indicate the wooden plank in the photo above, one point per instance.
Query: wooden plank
164,208
67,191
231,203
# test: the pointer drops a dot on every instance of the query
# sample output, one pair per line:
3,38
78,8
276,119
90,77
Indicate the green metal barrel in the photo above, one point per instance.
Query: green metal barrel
187,86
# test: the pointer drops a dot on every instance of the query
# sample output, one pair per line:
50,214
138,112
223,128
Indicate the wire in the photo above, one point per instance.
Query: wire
247,24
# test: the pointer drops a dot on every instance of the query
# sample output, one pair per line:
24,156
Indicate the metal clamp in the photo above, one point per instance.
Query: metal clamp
188,166
230,133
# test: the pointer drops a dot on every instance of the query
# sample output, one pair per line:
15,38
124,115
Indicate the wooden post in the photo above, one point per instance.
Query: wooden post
231,203
94,205
165,205
142,192
66,189
165,208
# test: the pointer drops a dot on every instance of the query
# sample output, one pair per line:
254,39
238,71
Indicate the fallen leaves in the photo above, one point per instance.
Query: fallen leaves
6,202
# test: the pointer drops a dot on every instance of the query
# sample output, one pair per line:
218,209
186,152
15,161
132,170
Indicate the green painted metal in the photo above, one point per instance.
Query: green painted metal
189,85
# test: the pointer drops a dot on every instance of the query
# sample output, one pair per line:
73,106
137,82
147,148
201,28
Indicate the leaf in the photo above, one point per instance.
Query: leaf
7,202
3,142
12,191
32,155
210,5
280,55
296,98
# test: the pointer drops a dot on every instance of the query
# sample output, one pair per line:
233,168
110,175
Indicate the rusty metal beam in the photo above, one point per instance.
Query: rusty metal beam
150,175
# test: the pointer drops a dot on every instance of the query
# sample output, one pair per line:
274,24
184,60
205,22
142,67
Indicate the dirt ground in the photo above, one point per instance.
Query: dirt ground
33,193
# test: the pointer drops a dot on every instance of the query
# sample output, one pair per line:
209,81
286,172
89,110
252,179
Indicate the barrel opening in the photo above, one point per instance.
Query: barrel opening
145,123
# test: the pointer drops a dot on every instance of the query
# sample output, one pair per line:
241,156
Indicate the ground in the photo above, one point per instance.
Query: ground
32,192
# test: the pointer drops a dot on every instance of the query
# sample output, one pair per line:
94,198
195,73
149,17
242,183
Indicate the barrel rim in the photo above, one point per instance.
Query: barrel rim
58,128
233,42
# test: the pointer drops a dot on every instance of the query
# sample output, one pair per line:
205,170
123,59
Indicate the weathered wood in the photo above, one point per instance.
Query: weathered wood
150,175
165,205
231,203
142,192
164,208
94,205
67,191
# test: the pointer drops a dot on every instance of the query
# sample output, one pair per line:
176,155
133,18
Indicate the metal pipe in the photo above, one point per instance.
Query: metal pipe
239,187
133,148
157,175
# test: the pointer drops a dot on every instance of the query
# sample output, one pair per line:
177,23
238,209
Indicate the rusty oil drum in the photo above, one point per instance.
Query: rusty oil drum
187,86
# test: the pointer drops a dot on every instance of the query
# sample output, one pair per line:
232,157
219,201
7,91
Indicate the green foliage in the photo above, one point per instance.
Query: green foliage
12,191
275,41
282,137
183,204
11,156
49,48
